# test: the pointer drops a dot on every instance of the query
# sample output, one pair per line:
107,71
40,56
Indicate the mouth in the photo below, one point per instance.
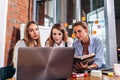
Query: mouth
56,40
36,36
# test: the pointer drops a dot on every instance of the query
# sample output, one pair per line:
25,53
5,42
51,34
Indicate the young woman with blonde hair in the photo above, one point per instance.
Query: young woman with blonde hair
31,39
85,45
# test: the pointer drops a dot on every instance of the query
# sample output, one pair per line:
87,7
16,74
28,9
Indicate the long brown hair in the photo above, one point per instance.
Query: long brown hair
27,38
59,27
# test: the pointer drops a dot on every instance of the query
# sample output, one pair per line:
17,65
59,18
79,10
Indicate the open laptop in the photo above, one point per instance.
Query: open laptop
44,63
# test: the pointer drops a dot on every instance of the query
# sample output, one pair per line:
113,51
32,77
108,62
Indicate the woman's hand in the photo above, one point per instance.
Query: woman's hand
81,65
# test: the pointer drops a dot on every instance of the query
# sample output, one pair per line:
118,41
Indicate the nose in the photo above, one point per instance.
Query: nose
35,31
56,36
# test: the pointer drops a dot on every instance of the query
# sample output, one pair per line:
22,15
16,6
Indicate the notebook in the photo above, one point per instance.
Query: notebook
44,63
84,59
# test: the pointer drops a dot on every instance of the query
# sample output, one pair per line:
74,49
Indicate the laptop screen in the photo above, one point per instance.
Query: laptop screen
44,63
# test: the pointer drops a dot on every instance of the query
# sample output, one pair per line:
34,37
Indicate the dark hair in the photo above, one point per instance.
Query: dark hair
83,24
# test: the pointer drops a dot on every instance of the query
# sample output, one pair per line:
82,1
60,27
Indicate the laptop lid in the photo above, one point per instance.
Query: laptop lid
44,63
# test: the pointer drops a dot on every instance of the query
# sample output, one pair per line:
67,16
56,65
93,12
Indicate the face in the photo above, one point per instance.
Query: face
80,32
57,36
33,31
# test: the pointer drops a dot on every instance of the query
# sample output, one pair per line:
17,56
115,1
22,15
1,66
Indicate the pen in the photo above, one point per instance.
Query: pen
108,73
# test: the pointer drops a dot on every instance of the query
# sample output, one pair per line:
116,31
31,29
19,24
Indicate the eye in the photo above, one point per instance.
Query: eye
54,33
79,31
75,32
36,29
30,30
59,34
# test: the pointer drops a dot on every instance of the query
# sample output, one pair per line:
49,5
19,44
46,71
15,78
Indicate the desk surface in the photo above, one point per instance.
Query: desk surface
104,77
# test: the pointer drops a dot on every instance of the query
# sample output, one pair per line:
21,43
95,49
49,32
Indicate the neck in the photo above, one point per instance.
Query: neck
33,43
86,39
59,43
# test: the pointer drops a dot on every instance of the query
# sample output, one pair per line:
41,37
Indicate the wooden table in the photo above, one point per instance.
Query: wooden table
104,77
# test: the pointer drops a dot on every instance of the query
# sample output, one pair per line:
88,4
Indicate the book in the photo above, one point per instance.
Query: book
85,58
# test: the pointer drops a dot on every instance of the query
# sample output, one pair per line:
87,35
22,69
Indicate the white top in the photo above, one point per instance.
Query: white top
69,43
20,43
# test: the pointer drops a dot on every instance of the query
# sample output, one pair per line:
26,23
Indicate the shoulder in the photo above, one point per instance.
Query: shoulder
20,43
70,42
70,39
76,42
47,43
95,39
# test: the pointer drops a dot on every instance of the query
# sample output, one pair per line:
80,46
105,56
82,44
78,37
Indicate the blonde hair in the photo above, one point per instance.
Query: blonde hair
83,24
27,38
59,27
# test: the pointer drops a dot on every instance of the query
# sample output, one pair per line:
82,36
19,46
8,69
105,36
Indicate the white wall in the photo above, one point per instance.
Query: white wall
44,33
3,22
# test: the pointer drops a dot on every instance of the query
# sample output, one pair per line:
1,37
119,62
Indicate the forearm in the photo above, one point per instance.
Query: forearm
93,66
